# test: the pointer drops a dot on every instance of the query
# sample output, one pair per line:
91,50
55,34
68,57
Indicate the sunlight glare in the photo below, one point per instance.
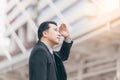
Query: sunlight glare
110,5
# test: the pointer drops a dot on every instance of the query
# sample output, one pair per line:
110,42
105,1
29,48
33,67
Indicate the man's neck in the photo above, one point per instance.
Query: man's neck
48,43
48,46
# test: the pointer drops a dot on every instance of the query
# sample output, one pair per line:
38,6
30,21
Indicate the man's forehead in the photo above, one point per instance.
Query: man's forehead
53,26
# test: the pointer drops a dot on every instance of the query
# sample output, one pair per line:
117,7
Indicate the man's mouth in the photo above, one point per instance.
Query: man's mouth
58,38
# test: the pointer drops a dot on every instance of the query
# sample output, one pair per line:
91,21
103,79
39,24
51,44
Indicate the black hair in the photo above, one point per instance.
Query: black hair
44,26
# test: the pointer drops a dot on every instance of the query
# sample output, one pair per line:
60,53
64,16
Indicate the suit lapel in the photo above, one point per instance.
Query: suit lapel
49,54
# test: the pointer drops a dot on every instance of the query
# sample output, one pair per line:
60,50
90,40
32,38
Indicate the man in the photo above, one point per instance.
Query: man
44,63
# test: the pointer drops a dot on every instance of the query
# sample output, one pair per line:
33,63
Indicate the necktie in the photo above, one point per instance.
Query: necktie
54,62
53,57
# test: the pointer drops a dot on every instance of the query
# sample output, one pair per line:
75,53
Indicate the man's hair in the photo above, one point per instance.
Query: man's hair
44,26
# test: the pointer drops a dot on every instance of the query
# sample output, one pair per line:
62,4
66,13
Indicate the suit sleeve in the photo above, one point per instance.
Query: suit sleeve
39,65
65,50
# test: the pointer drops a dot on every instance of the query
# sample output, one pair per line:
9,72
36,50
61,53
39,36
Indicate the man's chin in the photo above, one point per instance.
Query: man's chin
57,42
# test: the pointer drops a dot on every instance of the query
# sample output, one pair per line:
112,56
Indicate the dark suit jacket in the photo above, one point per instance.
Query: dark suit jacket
43,67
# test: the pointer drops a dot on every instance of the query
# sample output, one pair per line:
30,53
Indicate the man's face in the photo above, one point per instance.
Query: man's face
53,35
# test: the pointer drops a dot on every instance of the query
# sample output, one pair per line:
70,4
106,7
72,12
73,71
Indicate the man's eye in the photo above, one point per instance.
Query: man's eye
56,29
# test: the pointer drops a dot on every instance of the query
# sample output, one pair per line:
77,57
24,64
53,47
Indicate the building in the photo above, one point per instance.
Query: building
94,27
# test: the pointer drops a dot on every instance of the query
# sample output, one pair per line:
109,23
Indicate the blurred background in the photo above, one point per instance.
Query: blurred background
94,26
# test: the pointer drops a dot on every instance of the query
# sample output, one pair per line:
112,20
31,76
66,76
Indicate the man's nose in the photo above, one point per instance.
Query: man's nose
59,33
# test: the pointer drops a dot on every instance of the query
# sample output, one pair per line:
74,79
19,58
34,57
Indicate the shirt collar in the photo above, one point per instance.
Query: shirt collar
49,48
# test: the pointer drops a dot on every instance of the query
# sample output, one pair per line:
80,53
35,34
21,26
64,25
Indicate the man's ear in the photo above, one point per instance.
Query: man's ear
44,33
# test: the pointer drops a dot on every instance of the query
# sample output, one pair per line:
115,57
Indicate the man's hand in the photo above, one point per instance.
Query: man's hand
64,30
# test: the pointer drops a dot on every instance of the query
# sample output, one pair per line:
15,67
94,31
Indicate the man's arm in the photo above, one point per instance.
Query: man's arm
65,50
67,43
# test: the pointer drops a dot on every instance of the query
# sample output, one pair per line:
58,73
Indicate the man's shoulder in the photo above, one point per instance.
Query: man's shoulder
38,51
38,48
39,45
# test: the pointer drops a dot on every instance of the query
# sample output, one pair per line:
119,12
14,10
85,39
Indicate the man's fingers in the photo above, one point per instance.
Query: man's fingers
62,27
